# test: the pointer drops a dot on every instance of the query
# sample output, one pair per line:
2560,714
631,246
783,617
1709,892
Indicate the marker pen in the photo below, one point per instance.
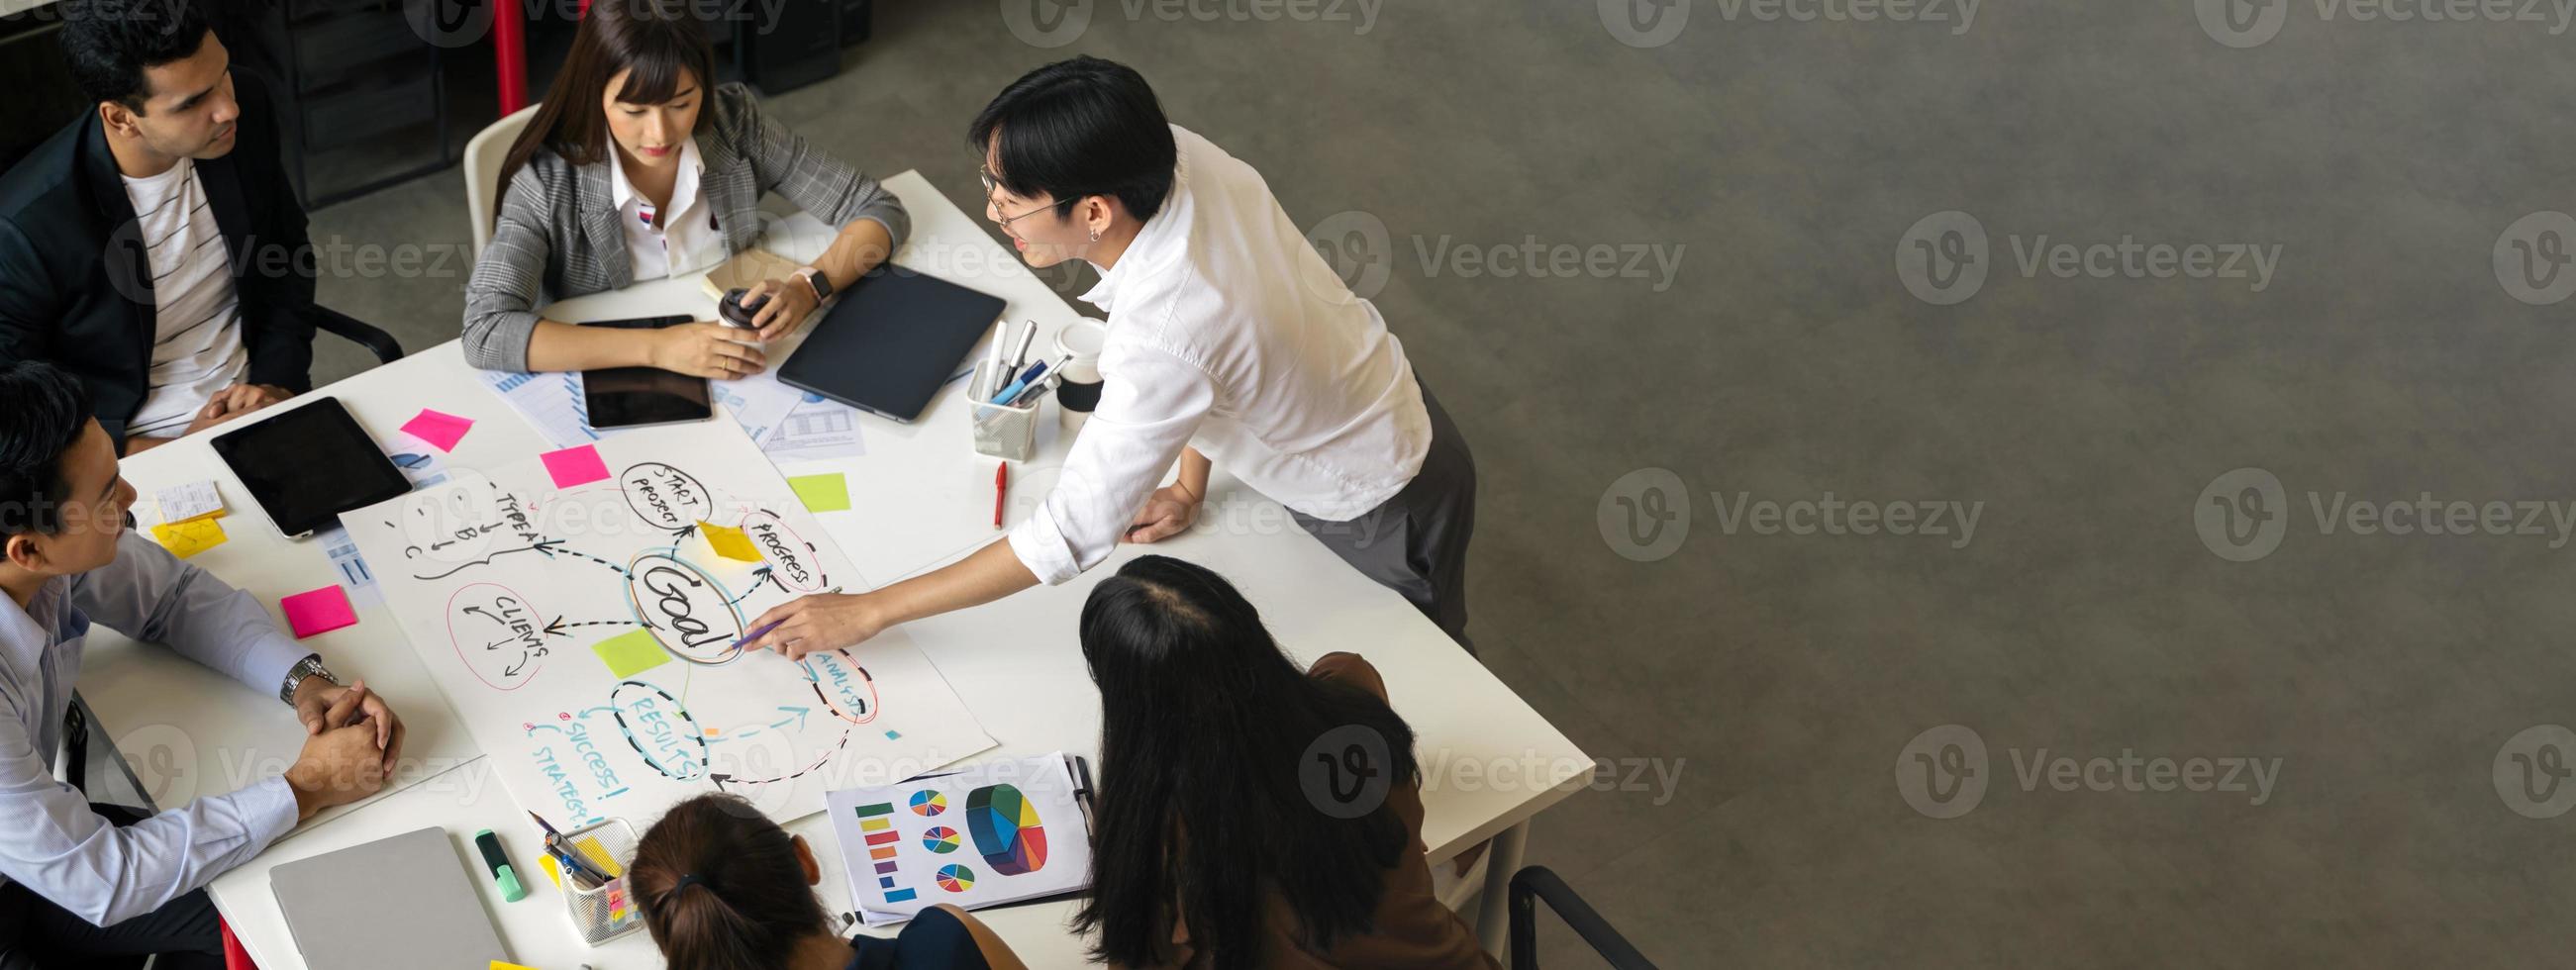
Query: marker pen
502,872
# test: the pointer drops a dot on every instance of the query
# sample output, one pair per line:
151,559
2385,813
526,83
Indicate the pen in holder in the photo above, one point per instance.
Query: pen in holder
1001,431
607,911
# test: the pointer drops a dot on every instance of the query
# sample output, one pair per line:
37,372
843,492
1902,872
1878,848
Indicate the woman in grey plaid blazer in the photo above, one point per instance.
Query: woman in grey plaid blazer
631,129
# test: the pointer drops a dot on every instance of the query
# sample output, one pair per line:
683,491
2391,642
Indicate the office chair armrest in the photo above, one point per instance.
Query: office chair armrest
328,320
1541,883
71,761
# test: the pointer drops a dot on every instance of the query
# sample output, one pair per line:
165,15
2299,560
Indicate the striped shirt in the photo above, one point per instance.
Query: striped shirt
197,337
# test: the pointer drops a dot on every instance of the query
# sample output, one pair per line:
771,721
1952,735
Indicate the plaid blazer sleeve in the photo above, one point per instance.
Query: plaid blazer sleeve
501,297
812,179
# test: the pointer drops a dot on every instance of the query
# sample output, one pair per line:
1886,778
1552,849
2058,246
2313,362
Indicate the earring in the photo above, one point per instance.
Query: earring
1095,235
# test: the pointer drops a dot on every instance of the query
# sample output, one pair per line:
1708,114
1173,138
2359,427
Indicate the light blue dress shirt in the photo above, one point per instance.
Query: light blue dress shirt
50,841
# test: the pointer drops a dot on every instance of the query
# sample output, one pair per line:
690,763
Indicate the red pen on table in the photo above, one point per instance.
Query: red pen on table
1001,485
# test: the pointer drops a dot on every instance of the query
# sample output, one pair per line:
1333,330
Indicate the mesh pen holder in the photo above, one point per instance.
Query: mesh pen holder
609,911
1007,433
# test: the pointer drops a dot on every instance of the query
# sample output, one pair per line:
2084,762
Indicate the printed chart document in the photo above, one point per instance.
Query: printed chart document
989,834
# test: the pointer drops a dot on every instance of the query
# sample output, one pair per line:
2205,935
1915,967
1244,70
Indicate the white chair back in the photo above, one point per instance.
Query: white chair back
483,158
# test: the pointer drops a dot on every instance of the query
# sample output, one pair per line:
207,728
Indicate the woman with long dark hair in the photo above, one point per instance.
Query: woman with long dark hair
638,166
1214,848
724,888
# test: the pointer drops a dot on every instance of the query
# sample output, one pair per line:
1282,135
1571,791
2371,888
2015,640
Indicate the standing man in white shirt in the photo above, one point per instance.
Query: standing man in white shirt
154,247
1229,339
82,883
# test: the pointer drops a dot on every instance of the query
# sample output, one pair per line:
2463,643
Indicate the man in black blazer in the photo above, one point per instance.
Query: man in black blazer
77,272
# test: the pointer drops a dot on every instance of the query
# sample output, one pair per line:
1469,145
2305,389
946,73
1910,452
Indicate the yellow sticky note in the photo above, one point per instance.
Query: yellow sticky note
729,542
629,654
553,873
185,539
498,965
597,855
822,493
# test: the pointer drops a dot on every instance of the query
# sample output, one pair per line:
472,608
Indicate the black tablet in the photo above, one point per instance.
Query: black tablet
891,341
309,464
629,397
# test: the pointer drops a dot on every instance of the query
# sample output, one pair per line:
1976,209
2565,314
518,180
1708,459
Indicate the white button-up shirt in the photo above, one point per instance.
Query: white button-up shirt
1227,331
678,238
51,842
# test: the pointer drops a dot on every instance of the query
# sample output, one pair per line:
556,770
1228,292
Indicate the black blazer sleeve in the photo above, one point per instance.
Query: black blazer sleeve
26,302
276,282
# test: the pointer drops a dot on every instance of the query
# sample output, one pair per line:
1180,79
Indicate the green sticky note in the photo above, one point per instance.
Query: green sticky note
631,653
822,493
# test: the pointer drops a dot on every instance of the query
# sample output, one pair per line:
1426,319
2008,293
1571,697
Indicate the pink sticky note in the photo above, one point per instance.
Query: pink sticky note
438,428
575,466
320,611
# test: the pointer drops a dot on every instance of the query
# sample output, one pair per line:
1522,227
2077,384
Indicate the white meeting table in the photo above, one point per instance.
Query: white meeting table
920,497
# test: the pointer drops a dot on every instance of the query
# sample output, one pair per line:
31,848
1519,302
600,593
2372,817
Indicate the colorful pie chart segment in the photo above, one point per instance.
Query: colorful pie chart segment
928,803
955,879
1006,829
940,839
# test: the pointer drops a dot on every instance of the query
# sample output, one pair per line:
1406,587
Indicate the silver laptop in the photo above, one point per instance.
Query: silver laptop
402,903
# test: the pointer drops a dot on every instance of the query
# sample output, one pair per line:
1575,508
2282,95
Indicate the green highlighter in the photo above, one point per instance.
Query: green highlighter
502,872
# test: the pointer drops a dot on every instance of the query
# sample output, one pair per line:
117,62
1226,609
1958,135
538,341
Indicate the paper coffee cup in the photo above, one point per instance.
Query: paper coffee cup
1081,340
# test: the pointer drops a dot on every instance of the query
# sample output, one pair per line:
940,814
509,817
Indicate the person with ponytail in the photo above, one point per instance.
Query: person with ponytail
1215,846
638,166
724,888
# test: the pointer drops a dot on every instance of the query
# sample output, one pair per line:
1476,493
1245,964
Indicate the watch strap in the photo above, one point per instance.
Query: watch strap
813,277
310,666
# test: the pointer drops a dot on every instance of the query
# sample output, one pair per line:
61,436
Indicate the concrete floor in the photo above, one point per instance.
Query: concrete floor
1783,675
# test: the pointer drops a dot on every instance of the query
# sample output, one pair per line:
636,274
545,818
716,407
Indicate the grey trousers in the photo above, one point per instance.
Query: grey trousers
35,934
1416,542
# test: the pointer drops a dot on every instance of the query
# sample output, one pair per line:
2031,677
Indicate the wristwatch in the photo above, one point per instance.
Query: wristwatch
310,666
814,277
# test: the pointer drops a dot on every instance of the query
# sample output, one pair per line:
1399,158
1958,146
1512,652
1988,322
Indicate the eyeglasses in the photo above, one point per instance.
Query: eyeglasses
992,185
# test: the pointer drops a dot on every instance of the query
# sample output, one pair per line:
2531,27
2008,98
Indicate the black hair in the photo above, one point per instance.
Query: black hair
747,906
1201,809
108,43
1080,128
661,41
47,412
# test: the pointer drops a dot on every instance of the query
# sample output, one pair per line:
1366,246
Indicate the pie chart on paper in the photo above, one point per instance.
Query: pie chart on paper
941,839
928,803
955,879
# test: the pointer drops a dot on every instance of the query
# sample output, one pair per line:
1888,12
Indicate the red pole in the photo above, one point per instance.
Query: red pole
510,53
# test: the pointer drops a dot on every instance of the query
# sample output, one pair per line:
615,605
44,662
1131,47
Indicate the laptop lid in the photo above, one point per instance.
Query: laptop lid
891,341
400,903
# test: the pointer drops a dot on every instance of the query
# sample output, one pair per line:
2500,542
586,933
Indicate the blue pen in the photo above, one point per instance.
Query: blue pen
1037,388
1036,371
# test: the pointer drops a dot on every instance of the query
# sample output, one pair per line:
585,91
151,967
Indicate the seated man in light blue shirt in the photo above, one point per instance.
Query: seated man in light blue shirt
76,886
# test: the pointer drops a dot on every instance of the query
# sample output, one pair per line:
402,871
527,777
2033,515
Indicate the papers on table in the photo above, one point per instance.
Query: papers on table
758,402
991,834
194,500
185,539
438,428
817,430
351,567
787,424
551,402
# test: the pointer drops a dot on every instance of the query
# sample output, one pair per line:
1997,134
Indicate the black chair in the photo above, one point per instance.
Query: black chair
1539,883
74,763
382,344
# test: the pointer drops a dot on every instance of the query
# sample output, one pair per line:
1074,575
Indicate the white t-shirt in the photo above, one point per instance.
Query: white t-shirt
676,239
197,337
